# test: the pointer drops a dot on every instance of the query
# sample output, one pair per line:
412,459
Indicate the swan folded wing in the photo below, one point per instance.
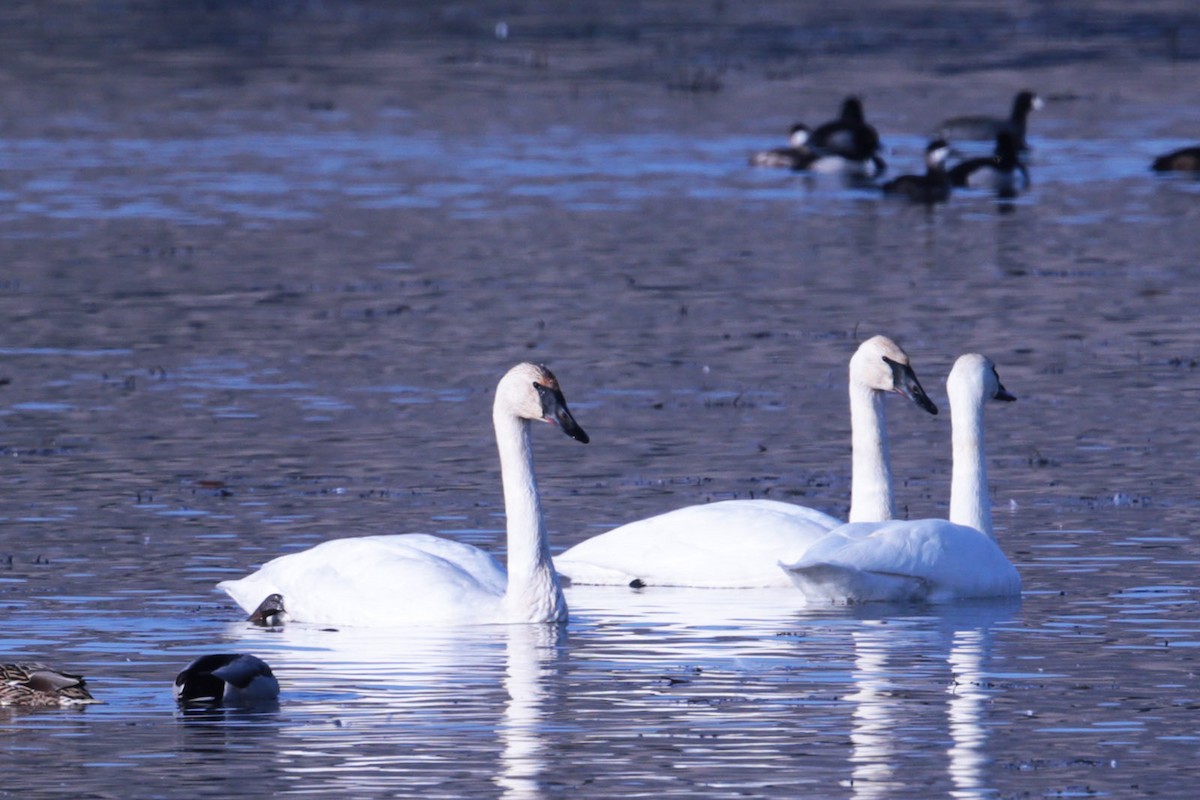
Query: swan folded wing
787,511
378,581
932,559
830,582
730,544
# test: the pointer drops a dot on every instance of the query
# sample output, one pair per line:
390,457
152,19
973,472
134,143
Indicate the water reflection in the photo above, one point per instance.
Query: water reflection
216,730
878,711
530,651
202,181
680,623
365,708
967,701
887,673
366,246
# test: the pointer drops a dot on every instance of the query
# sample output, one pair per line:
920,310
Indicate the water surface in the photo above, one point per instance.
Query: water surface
262,270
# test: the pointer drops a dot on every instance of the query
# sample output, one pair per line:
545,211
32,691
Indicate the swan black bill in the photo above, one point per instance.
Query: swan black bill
1001,392
554,407
907,385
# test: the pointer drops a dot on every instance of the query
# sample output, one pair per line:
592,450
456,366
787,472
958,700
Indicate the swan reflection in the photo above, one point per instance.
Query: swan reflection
365,709
530,651
674,678
877,711
967,701
675,624
884,678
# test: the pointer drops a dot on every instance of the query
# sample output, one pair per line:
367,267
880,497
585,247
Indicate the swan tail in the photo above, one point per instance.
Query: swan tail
831,582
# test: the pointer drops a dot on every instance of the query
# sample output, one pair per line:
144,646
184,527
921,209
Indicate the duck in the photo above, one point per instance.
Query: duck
270,613
983,128
1002,172
34,685
848,144
226,679
1186,159
420,579
738,543
796,156
928,560
933,186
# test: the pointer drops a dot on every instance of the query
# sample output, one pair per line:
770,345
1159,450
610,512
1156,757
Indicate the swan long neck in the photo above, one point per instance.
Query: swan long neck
969,502
534,593
871,472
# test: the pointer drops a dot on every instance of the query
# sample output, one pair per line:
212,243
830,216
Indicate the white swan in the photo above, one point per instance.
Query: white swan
739,543
418,579
929,559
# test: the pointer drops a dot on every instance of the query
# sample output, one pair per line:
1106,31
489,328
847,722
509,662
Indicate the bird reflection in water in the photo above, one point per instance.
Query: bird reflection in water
530,651
886,687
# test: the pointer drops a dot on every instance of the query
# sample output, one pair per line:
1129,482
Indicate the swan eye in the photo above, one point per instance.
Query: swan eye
897,369
554,407
547,397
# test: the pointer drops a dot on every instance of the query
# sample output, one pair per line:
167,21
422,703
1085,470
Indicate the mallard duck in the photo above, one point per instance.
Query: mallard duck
36,685
235,679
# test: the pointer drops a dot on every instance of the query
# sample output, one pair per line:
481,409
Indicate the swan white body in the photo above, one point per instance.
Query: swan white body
931,559
739,543
418,579
731,544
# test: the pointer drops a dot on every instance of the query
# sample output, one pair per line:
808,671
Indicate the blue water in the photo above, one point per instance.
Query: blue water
259,275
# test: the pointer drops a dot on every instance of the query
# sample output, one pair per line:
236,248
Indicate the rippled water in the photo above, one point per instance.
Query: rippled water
261,268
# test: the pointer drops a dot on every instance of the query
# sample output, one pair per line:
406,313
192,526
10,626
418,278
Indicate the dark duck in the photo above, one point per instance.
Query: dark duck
933,186
848,144
1002,172
982,128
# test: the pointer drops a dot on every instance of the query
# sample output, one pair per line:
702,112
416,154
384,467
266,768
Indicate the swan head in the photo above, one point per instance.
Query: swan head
530,391
882,365
975,376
